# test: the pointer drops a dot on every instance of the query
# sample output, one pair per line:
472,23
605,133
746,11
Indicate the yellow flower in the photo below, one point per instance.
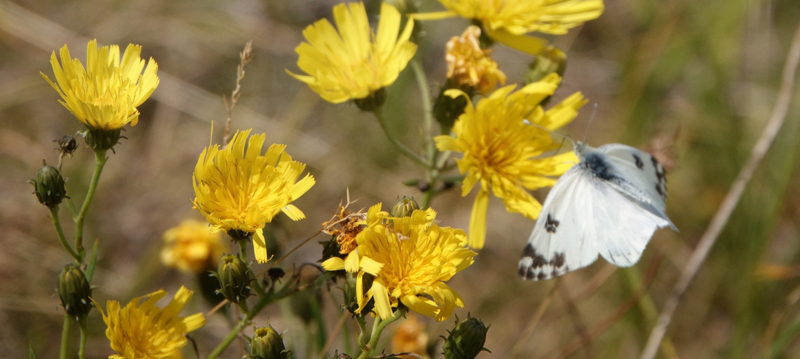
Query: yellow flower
469,65
522,16
410,259
508,21
243,190
503,153
354,62
144,331
105,94
192,247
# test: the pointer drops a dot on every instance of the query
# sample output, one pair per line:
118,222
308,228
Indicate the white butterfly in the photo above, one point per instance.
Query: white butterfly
609,204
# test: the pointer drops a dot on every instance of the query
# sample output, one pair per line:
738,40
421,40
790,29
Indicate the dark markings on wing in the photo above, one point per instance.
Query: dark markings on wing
558,262
661,175
638,161
552,224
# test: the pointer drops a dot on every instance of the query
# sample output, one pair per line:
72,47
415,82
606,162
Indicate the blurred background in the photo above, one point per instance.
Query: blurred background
692,81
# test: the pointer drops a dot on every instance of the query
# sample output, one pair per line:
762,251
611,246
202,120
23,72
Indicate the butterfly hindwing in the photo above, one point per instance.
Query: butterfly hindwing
621,227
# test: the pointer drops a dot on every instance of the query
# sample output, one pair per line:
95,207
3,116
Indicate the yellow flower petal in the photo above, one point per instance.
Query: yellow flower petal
260,246
351,262
381,297
477,220
333,264
527,44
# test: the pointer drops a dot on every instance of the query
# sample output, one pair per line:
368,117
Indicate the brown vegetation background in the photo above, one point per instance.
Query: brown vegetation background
694,81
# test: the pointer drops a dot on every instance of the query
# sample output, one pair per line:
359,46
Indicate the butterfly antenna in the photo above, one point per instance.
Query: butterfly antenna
594,112
563,136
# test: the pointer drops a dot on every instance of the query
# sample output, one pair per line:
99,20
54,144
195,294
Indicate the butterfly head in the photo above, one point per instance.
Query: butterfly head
580,148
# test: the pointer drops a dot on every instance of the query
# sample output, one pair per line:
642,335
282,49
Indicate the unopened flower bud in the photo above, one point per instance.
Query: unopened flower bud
234,278
67,145
466,340
100,139
447,109
74,290
550,60
49,186
374,101
404,207
351,296
266,343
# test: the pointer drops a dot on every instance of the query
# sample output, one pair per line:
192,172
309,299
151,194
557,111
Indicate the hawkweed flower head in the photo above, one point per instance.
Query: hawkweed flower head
238,189
354,62
503,154
409,259
469,65
104,95
518,17
141,330
192,247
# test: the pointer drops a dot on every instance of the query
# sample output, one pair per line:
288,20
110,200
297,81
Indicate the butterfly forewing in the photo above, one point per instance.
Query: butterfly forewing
559,242
643,171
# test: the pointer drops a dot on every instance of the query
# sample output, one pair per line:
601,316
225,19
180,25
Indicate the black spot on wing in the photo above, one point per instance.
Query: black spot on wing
661,176
533,265
551,224
638,161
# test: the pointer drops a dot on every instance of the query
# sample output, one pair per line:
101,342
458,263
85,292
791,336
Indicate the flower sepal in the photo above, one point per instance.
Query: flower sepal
100,139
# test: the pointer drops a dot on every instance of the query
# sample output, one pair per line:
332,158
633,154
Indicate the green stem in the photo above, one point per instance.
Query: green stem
260,305
99,161
64,354
57,224
427,124
431,173
363,340
399,146
377,329
242,249
82,324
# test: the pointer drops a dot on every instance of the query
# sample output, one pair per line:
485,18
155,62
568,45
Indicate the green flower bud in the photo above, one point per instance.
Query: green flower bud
447,109
234,278
331,249
74,290
550,60
67,145
49,186
466,340
350,296
100,139
266,343
404,207
372,102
